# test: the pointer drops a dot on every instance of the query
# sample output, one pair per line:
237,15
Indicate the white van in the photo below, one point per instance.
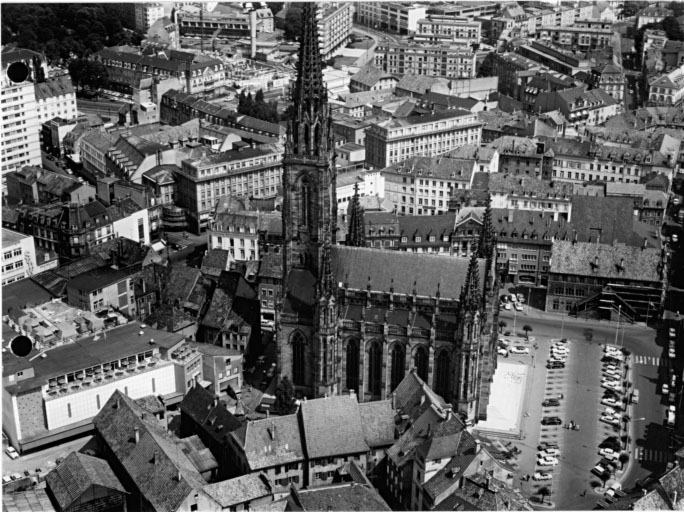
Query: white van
635,396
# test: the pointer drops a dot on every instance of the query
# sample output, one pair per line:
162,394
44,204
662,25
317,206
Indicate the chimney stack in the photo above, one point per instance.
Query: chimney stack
216,401
136,431
178,475
155,457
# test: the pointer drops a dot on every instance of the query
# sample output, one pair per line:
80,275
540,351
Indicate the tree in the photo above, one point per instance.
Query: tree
677,8
543,492
604,477
293,22
275,7
527,328
672,28
284,398
502,324
624,459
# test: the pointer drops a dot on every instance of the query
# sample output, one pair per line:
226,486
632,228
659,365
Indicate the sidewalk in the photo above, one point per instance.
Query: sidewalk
530,312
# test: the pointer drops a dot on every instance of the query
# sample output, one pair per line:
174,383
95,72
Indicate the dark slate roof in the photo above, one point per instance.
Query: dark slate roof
509,184
215,262
200,456
30,500
239,490
271,442
75,476
98,278
153,464
215,419
332,426
271,265
377,420
418,225
353,266
339,497
409,395
21,294
613,261
370,75
612,215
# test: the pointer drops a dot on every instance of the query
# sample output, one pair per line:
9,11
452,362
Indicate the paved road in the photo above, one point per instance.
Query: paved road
377,35
650,366
44,459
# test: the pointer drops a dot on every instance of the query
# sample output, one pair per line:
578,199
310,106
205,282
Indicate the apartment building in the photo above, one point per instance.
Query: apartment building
667,90
20,126
611,79
531,194
425,58
575,37
423,185
449,30
579,105
398,17
512,70
146,14
334,26
18,256
579,161
244,171
239,233
563,61
651,14
100,289
95,146
395,140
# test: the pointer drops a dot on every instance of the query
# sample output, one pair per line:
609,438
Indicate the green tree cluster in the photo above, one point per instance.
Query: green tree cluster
284,398
88,73
293,22
63,31
256,106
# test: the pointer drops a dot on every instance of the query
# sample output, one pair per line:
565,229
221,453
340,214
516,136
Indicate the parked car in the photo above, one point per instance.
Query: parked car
551,420
550,452
561,349
547,461
507,306
12,453
612,384
505,342
548,444
599,470
520,297
518,306
551,402
671,352
612,402
555,365
666,389
542,475
611,420
502,352
609,453
672,332
675,238
518,349
6,479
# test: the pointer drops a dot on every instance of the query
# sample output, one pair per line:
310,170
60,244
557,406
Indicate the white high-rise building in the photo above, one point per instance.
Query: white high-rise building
19,127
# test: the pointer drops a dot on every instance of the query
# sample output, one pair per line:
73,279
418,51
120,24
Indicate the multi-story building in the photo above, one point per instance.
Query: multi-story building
609,78
100,289
425,58
35,185
423,185
146,13
606,281
228,23
246,171
52,134
197,74
651,14
398,17
563,61
531,194
519,155
579,105
239,233
94,149
334,26
667,90
372,79
18,256
576,37
56,97
396,140
449,30
221,366
20,127
510,68
579,161
46,399
131,156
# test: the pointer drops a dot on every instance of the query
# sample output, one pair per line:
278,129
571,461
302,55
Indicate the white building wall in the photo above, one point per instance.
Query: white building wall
83,404
57,106
129,226
18,260
19,127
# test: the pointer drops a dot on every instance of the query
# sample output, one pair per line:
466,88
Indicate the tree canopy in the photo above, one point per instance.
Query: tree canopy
293,22
284,398
257,106
63,31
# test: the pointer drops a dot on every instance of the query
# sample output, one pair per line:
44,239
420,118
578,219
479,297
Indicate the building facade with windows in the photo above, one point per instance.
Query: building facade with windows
426,58
576,37
398,17
18,256
56,97
247,171
392,141
451,30
334,26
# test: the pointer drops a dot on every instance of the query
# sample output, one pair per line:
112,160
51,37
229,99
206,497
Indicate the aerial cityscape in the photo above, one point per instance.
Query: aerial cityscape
334,256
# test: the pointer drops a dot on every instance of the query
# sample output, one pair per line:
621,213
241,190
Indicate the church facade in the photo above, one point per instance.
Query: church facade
355,318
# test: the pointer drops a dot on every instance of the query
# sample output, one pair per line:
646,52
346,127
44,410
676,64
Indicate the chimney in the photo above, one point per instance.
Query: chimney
136,432
268,413
216,401
118,403
394,400
598,238
178,475
429,430
477,446
645,244
272,430
510,215
155,457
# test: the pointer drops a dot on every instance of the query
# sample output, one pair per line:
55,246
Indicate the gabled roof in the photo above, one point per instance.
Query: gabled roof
243,489
76,476
352,265
200,405
215,262
271,441
332,426
30,500
338,497
370,75
377,420
154,463
53,87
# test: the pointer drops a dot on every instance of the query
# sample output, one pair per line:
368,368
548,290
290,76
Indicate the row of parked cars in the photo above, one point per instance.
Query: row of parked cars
558,356
504,348
612,377
512,301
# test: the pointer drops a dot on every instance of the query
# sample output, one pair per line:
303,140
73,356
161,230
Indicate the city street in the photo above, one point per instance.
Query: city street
579,382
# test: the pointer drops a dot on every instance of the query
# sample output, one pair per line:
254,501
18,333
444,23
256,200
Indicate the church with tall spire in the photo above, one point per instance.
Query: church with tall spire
356,319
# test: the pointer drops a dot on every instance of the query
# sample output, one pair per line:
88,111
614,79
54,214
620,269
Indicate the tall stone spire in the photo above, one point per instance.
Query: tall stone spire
470,299
311,135
356,236
486,244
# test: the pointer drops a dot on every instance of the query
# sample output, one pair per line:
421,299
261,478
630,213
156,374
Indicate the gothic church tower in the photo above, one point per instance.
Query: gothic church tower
307,315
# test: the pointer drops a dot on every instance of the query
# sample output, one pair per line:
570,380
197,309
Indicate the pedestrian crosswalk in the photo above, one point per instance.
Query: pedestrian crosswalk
649,455
652,360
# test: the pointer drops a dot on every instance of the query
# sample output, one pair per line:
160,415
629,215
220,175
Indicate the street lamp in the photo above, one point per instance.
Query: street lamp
617,329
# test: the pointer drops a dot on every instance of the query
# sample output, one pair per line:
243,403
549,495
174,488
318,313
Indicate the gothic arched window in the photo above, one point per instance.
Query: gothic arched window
398,365
443,374
304,202
374,368
298,359
353,364
420,361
